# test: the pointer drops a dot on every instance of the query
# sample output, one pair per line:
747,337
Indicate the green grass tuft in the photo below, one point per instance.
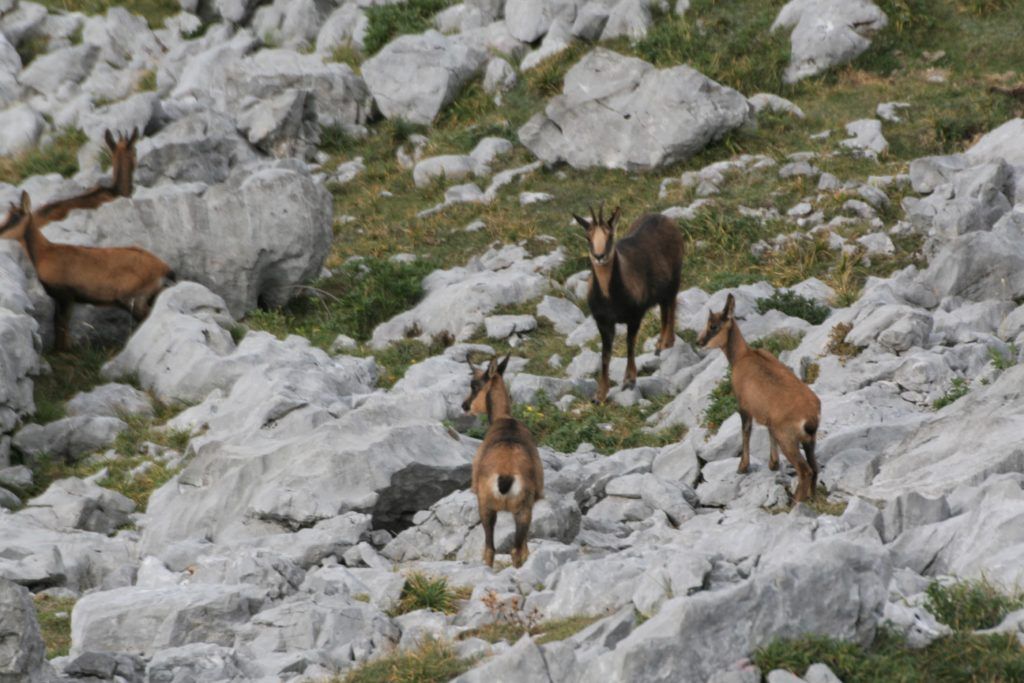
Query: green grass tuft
432,662
430,592
545,632
386,22
55,623
153,11
957,390
60,156
1001,361
791,303
971,605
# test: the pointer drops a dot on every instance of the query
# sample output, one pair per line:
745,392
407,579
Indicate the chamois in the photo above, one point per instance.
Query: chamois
769,392
122,153
507,471
629,276
128,277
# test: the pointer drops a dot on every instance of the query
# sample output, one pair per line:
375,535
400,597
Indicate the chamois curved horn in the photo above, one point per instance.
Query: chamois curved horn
593,216
600,212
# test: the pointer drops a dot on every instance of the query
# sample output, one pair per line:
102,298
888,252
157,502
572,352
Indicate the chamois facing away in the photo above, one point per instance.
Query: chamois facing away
128,277
629,276
769,392
122,153
507,471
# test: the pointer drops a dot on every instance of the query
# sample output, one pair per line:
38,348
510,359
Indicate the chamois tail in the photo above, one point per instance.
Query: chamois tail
811,427
505,482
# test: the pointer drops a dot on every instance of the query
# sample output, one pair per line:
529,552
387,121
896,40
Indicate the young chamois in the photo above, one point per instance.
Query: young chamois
122,154
769,392
507,472
627,278
128,277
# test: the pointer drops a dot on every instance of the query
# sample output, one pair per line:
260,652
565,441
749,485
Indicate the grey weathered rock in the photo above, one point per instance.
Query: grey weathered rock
562,313
73,503
68,438
628,18
448,166
457,300
200,662
590,21
123,38
18,476
112,400
866,137
763,101
250,239
557,40
896,327
621,112
23,655
529,20
283,125
345,27
20,129
19,341
48,72
414,76
139,112
827,33
499,76
831,570
291,23
503,326
1003,143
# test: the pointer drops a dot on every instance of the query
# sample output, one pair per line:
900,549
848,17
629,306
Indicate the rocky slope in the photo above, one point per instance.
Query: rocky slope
307,492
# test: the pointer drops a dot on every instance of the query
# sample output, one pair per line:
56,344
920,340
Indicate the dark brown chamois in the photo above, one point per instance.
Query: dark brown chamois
507,471
627,278
122,155
769,392
128,277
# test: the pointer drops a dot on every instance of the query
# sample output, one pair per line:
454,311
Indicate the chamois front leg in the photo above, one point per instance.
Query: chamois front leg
668,325
629,381
773,456
607,331
487,518
747,422
521,551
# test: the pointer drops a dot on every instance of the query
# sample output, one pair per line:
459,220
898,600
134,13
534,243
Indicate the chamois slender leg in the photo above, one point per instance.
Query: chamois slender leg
748,423
813,462
521,551
61,323
632,328
668,325
607,331
488,517
791,449
773,457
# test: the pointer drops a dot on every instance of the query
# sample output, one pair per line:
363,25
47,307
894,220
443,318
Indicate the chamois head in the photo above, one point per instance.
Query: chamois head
600,235
122,155
481,382
716,332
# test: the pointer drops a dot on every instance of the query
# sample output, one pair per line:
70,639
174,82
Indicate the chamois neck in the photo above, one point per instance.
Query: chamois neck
35,240
603,273
497,401
736,346
122,180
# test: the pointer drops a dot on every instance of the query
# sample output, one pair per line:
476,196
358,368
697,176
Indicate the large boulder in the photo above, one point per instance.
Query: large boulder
19,341
414,76
22,652
622,112
827,33
251,239
20,129
74,503
456,301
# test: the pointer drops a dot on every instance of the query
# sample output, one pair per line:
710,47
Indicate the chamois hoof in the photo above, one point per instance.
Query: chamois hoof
489,558
773,465
743,469
628,384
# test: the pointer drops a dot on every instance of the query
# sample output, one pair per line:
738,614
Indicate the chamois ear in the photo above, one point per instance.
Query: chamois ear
504,363
730,305
109,137
134,136
26,202
615,218
582,221
492,368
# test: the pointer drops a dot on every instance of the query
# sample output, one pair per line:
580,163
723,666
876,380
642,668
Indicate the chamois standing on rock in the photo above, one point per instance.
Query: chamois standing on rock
128,277
507,471
629,276
769,392
122,154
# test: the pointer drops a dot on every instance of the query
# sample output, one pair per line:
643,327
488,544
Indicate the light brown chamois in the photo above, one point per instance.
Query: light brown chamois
627,278
507,472
769,392
122,155
128,277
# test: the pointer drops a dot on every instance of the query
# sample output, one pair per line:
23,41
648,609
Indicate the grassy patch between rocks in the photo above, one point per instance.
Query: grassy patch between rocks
55,623
793,304
543,632
958,388
432,662
60,156
153,11
385,22
971,605
430,592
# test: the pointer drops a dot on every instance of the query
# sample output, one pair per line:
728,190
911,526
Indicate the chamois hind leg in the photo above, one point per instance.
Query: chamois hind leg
487,518
607,331
520,552
813,462
773,456
668,325
790,446
747,422
632,328
61,324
